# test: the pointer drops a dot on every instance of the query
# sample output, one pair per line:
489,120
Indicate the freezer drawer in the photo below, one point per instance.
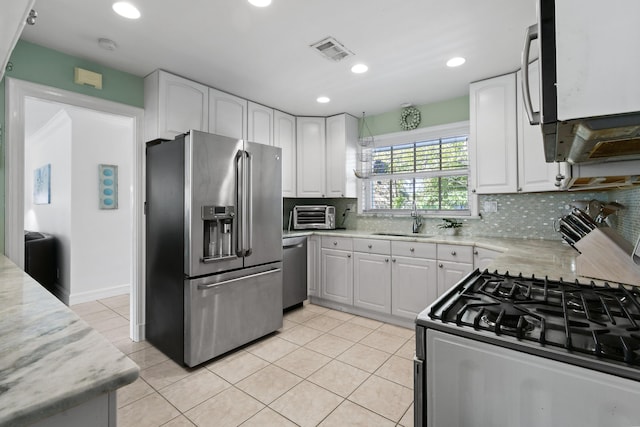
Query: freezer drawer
225,311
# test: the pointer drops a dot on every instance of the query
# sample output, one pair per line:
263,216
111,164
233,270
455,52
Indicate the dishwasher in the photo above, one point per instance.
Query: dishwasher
294,267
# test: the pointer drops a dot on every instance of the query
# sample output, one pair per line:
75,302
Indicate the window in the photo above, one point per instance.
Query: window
434,172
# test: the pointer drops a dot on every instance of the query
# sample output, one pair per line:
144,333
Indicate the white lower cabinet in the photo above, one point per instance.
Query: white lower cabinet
454,262
372,275
450,273
414,285
397,279
336,276
482,257
372,282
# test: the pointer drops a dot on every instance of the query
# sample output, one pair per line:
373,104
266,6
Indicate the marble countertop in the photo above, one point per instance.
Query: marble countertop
50,359
551,258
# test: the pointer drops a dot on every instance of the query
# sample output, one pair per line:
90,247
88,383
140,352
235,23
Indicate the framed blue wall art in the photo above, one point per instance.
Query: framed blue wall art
108,186
42,185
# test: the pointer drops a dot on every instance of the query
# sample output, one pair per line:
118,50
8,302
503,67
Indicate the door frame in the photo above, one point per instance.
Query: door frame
16,92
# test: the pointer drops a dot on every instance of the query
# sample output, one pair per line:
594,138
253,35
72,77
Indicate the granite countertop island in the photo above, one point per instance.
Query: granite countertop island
551,258
50,360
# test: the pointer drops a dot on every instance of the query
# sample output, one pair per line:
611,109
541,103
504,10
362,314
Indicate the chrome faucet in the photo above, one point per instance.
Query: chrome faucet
417,219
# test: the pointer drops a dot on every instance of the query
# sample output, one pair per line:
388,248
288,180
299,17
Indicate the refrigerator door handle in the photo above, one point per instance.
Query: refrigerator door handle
241,196
210,286
249,204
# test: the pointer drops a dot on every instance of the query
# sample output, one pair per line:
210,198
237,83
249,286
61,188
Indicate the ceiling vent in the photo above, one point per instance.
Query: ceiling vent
331,49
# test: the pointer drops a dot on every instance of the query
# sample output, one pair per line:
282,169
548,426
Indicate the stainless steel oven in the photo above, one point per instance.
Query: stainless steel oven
501,350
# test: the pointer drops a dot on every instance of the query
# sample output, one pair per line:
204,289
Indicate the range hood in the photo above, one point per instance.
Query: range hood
589,85
598,139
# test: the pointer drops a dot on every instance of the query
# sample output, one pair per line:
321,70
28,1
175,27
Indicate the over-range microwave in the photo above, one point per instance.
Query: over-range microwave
589,84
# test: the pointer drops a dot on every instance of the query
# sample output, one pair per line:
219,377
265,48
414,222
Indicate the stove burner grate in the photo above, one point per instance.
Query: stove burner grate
603,321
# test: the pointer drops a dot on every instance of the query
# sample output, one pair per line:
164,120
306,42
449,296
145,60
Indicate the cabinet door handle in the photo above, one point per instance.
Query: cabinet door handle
369,246
440,265
475,252
386,260
348,255
453,253
394,260
412,249
335,243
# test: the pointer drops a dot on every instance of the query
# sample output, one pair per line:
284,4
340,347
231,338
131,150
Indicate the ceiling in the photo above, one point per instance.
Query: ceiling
263,54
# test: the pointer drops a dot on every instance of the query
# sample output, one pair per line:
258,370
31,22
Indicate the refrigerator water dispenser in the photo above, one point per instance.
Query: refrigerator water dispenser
218,232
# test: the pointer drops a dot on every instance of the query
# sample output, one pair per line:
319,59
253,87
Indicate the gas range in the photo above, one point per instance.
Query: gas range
596,327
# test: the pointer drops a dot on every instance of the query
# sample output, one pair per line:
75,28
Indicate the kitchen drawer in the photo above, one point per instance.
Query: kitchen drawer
339,243
456,253
372,246
413,249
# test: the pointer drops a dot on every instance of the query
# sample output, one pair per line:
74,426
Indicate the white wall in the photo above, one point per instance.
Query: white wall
101,261
96,245
51,144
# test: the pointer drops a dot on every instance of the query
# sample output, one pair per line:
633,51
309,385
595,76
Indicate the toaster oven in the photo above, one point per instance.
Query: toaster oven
318,217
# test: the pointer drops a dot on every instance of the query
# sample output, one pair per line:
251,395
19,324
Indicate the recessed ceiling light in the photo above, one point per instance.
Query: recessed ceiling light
126,10
260,3
456,62
359,69
323,99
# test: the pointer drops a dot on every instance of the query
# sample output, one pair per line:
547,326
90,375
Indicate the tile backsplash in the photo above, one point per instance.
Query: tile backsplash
528,216
628,219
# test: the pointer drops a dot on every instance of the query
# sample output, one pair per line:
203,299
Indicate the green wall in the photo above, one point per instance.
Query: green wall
437,113
38,64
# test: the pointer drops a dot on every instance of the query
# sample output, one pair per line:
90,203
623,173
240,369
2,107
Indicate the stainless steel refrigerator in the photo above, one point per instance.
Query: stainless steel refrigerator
213,244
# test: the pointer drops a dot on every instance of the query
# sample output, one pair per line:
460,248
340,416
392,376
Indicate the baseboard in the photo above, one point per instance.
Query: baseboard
80,297
382,317
141,334
61,293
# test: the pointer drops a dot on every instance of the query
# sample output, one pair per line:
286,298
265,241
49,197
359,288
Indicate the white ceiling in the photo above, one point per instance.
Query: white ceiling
263,54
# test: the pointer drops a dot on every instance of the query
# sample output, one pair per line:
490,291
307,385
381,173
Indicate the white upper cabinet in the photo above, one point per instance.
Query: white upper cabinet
327,156
342,139
12,22
506,151
260,123
227,114
493,134
284,136
173,105
534,174
311,156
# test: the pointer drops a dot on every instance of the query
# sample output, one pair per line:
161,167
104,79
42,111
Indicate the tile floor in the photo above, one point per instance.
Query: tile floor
323,368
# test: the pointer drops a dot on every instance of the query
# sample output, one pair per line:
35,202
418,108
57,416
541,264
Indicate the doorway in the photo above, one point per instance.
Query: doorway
55,107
